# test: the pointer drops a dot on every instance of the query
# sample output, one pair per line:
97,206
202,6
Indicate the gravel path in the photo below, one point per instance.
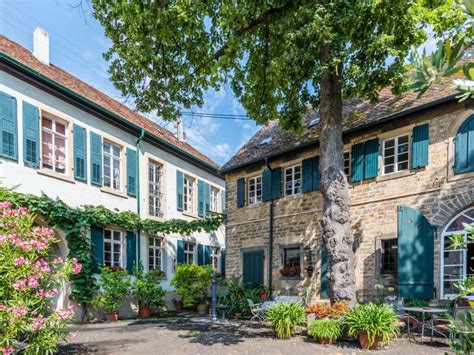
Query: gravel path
186,335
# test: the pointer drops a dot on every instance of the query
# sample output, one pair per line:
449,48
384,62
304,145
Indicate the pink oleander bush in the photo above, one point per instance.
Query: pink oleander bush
29,278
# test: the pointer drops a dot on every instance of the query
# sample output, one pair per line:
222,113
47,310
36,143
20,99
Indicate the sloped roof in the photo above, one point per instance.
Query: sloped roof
357,114
52,72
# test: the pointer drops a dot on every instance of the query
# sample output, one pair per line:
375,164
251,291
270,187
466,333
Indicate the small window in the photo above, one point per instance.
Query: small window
292,258
293,180
347,164
189,253
389,256
155,193
214,200
188,194
395,154
265,141
155,253
313,122
255,190
215,258
112,165
54,144
113,248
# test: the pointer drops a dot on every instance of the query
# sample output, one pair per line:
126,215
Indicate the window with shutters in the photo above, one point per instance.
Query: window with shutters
293,180
188,194
189,249
395,154
464,147
255,190
112,165
113,248
388,262
214,203
155,171
155,253
53,145
291,257
347,164
215,251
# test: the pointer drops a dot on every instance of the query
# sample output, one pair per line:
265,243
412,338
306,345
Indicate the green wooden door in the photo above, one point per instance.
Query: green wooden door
415,255
253,267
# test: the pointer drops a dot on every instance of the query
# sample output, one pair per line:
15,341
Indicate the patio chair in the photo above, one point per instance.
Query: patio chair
441,325
256,310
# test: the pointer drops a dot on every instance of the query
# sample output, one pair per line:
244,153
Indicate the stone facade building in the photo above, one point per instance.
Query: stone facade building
410,166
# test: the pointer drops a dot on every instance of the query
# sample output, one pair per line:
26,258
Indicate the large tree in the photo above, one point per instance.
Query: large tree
279,57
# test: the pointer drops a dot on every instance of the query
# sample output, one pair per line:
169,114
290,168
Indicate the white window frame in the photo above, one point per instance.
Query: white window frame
188,193
255,194
156,249
155,186
348,174
54,136
215,251
189,253
214,200
113,242
396,154
110,171
293,180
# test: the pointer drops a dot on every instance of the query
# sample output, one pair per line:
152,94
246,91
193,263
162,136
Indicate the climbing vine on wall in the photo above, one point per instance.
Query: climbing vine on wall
76,221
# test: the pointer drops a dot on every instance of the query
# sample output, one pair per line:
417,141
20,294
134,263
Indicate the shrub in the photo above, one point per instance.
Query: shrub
325,330
378,320
283,317
147,289
28,280
114,284
191,282
324,310
237,294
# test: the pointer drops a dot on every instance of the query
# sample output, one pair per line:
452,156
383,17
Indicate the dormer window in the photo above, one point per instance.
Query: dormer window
265,141
313,122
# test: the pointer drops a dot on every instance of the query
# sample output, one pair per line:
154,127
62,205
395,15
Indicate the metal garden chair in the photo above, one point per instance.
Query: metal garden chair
256,310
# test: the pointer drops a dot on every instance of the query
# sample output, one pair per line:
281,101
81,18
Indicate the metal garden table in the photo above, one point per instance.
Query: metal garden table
423,311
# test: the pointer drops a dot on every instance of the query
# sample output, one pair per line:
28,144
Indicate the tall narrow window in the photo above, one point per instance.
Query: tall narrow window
154,189
255,190
347,164
188,194
155,253
215,257
189,253
214,200
112,165
113,248
54,144
395,154
389,256
293,180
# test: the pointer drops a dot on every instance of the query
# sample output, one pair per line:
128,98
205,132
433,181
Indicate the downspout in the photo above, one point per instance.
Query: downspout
270,234
137,146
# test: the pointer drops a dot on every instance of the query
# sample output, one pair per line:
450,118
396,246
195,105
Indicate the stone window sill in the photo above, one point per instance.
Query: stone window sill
460,176
56,175
295,278
110,191
190,214
395,175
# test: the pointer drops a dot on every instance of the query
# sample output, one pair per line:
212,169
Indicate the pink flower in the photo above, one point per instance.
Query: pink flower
6,351
38,323
20,285
2,238
18,312
20,261
3,307
77,266
5,205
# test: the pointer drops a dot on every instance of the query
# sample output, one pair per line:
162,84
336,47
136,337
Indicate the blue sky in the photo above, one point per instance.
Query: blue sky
77,42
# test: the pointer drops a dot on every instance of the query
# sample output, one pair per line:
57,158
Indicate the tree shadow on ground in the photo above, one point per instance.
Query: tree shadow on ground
112,346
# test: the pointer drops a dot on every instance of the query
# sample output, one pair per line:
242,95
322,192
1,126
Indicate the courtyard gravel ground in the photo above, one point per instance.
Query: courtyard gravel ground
189,335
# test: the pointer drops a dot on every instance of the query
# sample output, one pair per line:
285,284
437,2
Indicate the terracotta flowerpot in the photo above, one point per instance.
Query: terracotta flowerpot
264,296
111,317
178,305
203,309
326,341
238,315
364,341
144,312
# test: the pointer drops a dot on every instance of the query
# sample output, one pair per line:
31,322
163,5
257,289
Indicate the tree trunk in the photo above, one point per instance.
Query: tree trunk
336,220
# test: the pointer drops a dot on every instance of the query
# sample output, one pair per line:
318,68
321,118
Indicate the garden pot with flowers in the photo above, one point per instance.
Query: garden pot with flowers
148,292
114,286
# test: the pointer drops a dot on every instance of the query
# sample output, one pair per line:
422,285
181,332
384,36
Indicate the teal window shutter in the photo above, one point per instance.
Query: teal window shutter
96,159
223,262
8,127
180,252
207,199
266,185
30,135
276,183
131,172
201,202
464,150
420,145
207,255
357,162
200,251
80,152
371,159
316,174
97,248
324,271
240,192
223,200
307,166
131,251
179,190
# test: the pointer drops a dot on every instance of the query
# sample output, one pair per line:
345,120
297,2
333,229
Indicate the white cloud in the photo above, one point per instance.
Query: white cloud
247,126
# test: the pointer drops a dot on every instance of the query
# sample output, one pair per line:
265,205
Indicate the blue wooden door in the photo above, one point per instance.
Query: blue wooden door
253,267
415,255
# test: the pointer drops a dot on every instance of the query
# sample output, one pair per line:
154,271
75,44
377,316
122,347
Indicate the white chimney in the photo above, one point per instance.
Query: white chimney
180,134
41,45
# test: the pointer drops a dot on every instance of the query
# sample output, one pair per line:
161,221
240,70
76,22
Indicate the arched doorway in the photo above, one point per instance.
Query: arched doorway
456,264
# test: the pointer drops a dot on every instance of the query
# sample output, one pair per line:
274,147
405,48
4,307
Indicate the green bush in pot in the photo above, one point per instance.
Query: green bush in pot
191,282
284,317
325,330
148,291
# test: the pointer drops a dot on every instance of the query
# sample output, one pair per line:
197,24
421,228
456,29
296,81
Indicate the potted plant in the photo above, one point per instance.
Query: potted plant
148,292
178,303
114,285
284,317
325,330
373,324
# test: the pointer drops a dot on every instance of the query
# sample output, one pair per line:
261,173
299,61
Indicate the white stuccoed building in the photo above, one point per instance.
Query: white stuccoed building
63,138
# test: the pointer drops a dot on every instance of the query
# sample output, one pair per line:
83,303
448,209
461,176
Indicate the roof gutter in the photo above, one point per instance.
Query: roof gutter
15,68
266,158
